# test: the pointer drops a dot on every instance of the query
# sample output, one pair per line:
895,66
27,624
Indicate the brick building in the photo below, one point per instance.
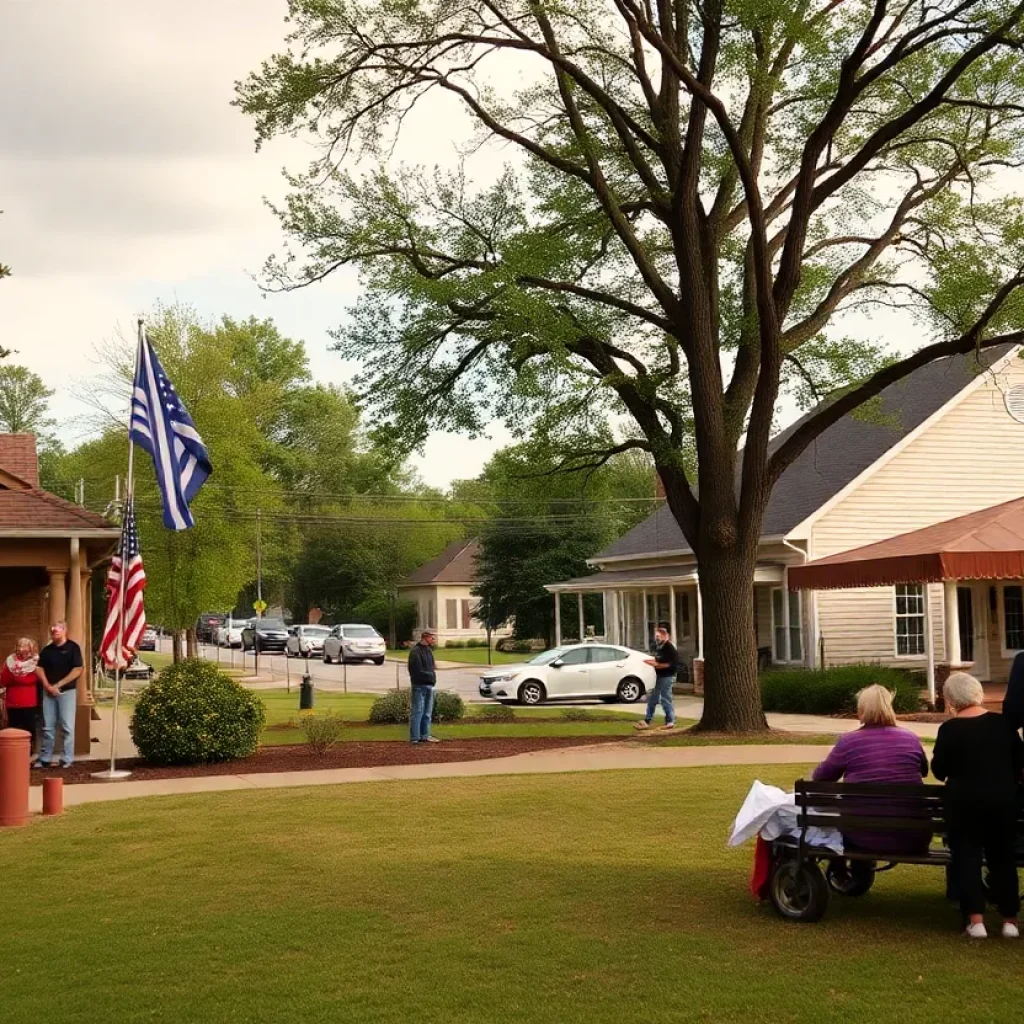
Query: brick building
49,549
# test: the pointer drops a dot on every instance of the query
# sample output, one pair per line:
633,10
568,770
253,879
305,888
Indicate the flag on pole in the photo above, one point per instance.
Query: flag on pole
126,580
161,425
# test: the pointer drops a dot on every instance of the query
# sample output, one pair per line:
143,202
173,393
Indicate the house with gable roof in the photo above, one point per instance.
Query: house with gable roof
946,441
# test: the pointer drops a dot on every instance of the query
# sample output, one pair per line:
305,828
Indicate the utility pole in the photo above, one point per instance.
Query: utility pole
259,594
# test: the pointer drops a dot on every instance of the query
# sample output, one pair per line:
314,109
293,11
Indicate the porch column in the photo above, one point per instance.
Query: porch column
558,620
929,644
76,630
700,624
58,596
672,612
952,617
626,617
579,608
787,646
645,621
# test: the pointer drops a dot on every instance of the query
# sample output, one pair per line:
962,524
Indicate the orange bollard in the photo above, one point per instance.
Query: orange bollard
53,796
14,772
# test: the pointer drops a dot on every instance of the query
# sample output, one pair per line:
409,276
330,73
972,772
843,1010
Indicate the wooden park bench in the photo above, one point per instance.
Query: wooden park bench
803,876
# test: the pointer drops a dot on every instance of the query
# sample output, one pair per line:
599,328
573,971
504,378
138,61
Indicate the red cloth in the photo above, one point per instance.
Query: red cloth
21,690
762,869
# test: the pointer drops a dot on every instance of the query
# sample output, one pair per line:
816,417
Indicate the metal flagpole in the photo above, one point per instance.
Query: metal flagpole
112,774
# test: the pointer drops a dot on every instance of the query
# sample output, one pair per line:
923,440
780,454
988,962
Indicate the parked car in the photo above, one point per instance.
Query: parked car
264,635
353,641
306,641
230,634
148,639
207,625
572,671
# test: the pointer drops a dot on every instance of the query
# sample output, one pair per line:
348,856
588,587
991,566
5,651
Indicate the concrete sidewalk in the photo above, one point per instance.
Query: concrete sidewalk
613,757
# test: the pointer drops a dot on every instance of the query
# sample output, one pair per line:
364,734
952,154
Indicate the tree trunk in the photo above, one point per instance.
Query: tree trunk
176,645
732,696
191,643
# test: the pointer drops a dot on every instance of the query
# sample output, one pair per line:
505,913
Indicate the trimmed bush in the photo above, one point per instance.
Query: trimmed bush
393,707
193,713
322,732
833,691
496,713
510,645
576,714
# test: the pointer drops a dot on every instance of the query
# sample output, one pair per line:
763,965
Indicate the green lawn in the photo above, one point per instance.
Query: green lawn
603,897
282,709
467,656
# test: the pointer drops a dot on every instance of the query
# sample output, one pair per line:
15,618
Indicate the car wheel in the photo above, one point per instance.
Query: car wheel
378,661
325,659
630,690
532,692
799,891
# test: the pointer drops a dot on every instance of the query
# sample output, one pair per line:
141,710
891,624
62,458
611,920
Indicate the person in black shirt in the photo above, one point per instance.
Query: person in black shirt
666,665
423,677
980,757
60,665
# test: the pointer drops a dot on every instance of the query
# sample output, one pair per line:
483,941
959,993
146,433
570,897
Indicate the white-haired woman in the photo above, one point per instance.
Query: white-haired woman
980,758
18,680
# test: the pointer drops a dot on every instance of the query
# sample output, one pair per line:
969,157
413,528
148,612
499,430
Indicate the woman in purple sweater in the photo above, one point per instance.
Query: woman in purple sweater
879,751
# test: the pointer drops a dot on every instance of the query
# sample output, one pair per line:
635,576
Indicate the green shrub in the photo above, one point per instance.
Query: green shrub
496,713
392,708
833,691
576,714
510,645
193,713
455,644
322,732
448,707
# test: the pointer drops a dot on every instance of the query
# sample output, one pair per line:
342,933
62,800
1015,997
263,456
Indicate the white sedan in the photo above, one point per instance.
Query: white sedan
230,634
573,671
306,641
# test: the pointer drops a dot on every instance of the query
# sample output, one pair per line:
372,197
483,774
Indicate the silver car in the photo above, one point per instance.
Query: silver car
306,641
353,641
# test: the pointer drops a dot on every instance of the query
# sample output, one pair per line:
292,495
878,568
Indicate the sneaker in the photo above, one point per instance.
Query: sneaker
431,739
66,765
641,725
43,766
976,931
1011,930
668,727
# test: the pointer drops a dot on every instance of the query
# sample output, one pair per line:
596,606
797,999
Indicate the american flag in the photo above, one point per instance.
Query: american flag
117,649
161,425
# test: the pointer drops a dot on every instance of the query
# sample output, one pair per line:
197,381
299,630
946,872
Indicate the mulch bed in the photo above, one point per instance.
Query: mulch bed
356,754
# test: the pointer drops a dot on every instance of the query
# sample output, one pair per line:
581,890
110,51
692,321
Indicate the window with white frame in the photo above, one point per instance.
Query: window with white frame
796,645
1013,618
910,617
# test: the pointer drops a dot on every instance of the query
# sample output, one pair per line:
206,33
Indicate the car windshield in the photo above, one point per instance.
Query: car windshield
361,631
270,624
546,657
315,631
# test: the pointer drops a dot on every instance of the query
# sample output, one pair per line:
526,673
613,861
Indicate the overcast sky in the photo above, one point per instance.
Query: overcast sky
127,179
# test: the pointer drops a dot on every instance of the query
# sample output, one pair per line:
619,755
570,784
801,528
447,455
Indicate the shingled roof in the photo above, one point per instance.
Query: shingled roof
25,507
456,564
835,459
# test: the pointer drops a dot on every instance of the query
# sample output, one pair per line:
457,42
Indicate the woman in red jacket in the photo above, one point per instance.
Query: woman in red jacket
19,681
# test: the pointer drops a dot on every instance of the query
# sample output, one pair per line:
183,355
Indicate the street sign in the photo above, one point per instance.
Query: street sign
260,607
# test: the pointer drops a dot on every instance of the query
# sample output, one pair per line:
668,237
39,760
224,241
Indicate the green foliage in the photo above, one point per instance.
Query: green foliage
833,691
323,731
193,713
24,403
514,645
495,713
393,707
576,714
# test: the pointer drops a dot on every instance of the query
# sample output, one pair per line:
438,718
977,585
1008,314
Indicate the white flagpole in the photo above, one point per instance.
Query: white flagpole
112,773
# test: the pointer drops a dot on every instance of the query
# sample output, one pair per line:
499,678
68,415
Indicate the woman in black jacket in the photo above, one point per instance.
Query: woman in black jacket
980,757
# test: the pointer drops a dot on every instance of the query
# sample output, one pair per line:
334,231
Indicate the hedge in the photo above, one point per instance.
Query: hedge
392,708
833,691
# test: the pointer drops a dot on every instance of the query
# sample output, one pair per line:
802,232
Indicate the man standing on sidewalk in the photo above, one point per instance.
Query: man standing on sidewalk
423,677
60,665
666,665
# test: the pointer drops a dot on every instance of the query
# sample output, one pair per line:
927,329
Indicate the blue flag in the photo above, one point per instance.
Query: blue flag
162,426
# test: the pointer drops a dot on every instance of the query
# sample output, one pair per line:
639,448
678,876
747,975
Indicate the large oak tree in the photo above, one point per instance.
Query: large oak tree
700,191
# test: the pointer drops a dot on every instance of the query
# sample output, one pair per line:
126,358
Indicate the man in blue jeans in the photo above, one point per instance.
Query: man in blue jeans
666,665
59,667
423,677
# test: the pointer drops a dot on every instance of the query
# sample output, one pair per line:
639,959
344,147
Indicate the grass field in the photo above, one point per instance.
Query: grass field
467,656
598,898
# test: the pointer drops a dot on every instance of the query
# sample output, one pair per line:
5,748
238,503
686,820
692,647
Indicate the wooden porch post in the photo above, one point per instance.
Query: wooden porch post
58,596
645,621
579,608
787,646
929,644
952,634
558,619
672,613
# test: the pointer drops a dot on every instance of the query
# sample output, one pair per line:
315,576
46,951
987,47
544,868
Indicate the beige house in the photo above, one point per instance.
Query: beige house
947,440
442,593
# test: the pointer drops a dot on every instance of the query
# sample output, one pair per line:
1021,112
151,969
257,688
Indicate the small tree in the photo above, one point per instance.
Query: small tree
24,403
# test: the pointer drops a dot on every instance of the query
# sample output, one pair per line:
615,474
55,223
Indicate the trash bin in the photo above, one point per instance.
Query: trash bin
306,694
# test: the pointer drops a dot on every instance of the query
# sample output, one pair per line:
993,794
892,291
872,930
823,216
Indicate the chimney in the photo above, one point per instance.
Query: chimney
18,458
